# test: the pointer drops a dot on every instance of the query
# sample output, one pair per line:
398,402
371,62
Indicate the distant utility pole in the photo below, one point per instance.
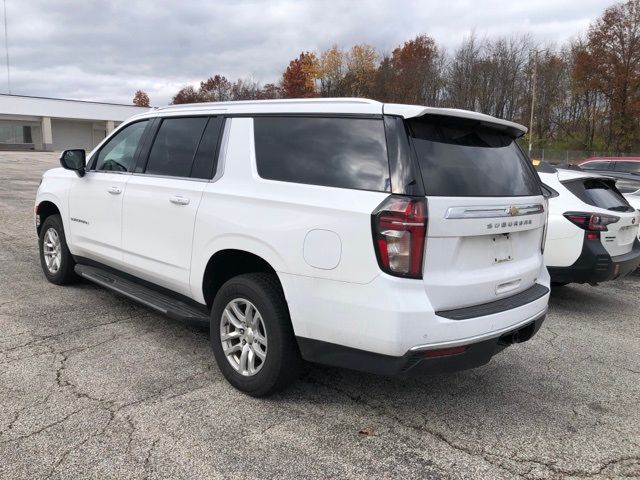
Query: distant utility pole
533,95
6,46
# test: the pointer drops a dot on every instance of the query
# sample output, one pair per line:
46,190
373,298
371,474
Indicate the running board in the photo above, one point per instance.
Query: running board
160,302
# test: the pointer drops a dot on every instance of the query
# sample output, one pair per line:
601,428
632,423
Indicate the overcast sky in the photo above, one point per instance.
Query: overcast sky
105,50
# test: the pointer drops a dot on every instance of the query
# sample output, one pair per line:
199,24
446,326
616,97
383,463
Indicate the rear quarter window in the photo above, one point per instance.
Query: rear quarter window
461,158
600,165
333,152
629,167
599,193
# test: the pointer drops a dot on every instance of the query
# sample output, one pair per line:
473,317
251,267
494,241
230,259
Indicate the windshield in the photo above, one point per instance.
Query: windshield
464,159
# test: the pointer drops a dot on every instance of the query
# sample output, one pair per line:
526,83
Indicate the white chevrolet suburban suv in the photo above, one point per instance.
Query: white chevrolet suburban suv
385,238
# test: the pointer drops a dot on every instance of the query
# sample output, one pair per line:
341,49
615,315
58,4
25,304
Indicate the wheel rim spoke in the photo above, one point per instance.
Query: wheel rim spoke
236,311
251,361
252,315
232,350
259,353
230,335
243,336
259,339
244,356
233,319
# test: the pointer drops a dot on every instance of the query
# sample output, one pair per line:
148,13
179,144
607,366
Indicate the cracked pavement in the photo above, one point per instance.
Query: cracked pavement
95,386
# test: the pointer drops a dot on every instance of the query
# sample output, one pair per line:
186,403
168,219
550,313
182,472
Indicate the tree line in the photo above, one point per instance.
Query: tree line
587,90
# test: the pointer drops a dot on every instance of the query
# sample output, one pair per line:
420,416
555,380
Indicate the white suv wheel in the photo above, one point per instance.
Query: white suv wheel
52,250
243,336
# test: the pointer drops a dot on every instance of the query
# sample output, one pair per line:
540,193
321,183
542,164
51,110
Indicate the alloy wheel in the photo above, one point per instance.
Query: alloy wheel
243,336
52,250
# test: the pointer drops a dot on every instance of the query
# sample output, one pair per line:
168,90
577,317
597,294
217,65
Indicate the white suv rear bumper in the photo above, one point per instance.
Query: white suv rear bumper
391,316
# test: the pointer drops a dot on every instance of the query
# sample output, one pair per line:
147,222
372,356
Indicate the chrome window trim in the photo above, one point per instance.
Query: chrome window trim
168,177
109,171
494,211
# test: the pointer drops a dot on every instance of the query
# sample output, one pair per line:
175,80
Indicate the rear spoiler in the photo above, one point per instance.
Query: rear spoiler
512,129
608,180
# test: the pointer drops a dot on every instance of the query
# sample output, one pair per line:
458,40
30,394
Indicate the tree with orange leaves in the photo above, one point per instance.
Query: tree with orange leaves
298,80
417,66
613,47
141,99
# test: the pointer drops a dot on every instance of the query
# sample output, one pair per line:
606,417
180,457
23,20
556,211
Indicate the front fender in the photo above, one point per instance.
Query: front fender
55,189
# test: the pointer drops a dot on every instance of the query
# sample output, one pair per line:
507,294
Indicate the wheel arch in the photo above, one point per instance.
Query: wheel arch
45,209
228,263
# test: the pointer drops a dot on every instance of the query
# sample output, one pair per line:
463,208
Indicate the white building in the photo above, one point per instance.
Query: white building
39,123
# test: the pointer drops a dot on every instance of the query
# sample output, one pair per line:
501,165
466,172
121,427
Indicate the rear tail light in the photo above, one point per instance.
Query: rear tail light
591,222
399,226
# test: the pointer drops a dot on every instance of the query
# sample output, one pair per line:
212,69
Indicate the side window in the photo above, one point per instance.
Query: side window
205,160
334,152
631,167
118,154
549,192
175,145
595,166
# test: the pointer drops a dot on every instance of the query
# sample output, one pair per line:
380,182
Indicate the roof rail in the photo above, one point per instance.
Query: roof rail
270,102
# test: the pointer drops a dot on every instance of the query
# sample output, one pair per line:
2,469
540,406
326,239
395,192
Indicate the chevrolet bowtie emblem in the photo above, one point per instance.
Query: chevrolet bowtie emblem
513,211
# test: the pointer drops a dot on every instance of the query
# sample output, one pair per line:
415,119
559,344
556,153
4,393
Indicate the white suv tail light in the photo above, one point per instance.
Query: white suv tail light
399,227
592,223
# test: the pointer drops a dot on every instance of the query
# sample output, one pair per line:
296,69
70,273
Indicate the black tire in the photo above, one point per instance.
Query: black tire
559,284
283,363
64,274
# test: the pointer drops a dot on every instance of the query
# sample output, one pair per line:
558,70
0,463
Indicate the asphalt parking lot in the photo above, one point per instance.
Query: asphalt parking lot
94,386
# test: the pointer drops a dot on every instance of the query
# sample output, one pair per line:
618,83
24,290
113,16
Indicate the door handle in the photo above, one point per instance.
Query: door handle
114,190
179,200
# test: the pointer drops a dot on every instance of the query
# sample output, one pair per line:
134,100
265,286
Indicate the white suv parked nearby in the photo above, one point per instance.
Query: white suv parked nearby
379,237
593,230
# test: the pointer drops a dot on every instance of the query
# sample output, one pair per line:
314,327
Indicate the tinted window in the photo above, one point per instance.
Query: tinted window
335,152
204,162
599,193
175,146
405,176
462,159
118,154
26,134
631,167
595,166
549,192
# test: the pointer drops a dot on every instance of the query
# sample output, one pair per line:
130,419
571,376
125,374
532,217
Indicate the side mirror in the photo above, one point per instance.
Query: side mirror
74,160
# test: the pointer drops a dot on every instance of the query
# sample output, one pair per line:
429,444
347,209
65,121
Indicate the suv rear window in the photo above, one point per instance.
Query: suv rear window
333,152
599,193
461,158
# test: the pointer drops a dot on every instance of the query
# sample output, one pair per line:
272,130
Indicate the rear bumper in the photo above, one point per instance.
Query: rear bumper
595,265
420,360
390,315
